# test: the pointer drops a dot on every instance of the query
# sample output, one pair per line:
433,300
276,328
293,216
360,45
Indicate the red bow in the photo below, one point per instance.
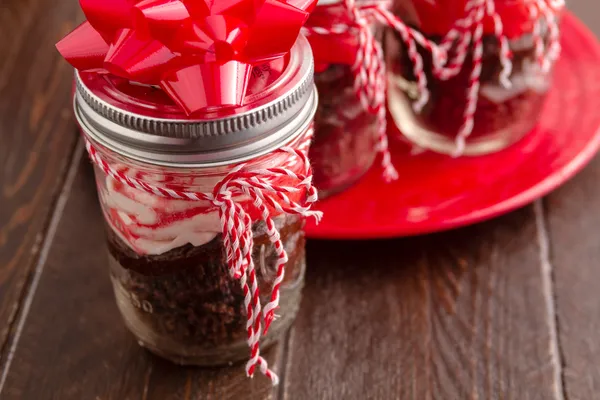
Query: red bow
200,52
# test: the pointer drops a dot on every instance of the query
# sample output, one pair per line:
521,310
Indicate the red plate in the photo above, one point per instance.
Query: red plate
436,192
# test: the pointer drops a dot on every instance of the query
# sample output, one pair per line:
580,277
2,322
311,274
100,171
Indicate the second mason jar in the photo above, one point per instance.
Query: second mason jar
170,262
346,132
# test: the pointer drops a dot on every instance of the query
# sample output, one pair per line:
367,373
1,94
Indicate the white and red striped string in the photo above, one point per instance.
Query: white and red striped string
411,39
480,10
266,191
370,83
542,11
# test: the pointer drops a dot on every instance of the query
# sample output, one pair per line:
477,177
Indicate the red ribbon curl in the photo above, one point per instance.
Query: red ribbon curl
200,52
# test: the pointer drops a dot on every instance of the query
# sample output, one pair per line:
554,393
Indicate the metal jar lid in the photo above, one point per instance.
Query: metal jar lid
269,119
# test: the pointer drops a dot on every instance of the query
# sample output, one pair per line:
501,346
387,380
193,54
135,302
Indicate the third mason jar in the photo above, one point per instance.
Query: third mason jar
490,90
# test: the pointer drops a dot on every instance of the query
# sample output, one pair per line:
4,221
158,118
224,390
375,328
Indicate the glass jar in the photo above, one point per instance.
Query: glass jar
346,132
169,270
473,110
170,261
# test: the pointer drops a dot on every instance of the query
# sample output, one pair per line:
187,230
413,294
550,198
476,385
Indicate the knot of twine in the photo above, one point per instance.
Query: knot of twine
469,31
262,188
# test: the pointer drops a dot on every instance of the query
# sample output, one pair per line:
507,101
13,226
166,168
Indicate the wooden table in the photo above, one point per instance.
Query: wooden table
508,309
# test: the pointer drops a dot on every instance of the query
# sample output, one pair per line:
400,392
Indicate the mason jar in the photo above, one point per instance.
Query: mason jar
346,132
491,91
169,259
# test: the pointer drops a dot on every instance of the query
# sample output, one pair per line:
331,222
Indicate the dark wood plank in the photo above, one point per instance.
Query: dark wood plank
573,220
37,136
573,214
460,315
74,344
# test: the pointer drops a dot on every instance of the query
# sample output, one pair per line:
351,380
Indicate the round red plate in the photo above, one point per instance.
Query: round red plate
436,192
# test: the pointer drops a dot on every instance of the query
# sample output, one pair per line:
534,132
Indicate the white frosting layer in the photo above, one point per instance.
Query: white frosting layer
153,225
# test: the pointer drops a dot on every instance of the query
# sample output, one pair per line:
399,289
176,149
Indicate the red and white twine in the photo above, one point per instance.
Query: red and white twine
262,187
543,11
411,39
479,10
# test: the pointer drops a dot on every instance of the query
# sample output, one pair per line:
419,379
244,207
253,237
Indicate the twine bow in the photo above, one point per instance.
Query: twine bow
200,52
272,191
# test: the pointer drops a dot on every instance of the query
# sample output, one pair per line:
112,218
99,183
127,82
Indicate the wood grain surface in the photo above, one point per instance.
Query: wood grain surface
36,136
507,309
460,315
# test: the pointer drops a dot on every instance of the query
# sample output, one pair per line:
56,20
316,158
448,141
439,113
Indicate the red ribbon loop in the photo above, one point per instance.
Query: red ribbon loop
200,52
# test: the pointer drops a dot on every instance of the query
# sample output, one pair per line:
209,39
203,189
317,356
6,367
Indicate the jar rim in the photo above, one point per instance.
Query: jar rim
271,118
328,2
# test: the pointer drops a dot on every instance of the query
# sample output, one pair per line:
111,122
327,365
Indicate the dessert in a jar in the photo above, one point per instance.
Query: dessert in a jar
200,155
489,90
350,121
